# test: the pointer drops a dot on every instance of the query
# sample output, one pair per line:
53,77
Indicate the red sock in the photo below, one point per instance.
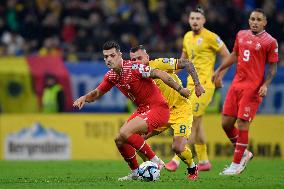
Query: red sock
129,155
137,142
241,145
232,135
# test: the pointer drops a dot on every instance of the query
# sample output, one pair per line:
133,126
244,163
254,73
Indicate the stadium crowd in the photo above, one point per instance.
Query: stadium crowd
77,29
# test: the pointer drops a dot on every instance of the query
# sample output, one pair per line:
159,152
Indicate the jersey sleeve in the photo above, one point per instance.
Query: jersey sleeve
140,70
105,85
165,64
236,45
216,42
273,52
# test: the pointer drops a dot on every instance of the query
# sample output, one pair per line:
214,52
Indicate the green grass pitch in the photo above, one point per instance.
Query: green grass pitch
259,174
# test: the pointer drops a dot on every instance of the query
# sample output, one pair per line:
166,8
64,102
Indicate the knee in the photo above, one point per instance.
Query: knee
226,125
177,148
118,141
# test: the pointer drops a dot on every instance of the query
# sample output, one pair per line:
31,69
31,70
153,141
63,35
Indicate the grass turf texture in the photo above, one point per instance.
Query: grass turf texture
103,174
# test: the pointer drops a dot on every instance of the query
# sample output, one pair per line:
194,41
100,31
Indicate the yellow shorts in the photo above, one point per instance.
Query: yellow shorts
181,119
200,104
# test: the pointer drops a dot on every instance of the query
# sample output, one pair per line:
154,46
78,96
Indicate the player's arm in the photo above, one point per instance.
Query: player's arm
167,79
94,95
271,72
226,63
89,97
224,53
188,65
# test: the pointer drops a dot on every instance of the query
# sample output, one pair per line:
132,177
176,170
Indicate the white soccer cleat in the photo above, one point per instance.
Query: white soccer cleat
132,176
247,156
233,169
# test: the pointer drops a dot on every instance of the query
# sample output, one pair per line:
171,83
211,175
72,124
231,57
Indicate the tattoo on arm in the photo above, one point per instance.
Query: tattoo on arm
184,63
153,74
270,73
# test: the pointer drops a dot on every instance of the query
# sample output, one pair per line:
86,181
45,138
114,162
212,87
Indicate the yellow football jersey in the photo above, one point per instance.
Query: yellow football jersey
201,49
168,65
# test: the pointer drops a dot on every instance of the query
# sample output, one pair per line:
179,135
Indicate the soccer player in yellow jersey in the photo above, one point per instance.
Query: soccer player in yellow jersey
200,46
180,107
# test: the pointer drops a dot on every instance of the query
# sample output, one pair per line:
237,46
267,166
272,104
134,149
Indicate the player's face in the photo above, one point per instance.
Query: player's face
140,55
257,22
112,58
196,21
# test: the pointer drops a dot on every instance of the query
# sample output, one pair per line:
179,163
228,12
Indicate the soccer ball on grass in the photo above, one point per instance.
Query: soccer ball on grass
148,171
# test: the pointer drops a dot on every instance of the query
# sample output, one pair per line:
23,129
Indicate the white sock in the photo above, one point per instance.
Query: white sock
155,159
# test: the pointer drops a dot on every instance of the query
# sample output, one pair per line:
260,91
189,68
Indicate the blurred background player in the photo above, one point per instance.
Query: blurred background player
53,100
133,80
252,50
180,108
201,47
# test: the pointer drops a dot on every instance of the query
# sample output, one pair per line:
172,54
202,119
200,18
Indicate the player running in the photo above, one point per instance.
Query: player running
252,50
134,81
180,107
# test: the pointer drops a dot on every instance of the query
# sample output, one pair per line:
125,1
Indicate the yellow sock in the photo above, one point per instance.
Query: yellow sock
176,158
186,157
201,152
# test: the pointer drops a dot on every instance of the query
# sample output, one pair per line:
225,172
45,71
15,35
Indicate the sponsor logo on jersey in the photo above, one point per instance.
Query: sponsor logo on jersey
219,41
249,42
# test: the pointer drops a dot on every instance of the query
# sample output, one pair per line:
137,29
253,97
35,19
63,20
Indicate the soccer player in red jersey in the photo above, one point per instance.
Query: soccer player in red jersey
134,80
252,50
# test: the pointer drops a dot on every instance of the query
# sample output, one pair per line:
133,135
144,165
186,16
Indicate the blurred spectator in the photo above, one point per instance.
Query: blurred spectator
14,43
50,47
53,95
159,24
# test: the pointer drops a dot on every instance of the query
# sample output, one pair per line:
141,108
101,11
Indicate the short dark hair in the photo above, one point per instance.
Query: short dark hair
199,9
136,48
111,44
260,11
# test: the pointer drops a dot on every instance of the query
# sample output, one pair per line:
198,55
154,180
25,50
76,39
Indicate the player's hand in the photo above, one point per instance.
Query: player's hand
262,91
79,103
199,90
184,92
217,79
218,82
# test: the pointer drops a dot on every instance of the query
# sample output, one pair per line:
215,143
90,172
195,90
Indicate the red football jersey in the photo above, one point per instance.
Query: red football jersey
253,51
134,82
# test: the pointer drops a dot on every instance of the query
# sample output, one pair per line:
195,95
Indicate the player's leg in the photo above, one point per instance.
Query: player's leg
181,125
182,150
199,107
228,125
200,145
248,106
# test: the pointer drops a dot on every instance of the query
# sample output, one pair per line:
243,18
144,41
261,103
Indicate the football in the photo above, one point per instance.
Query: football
148,171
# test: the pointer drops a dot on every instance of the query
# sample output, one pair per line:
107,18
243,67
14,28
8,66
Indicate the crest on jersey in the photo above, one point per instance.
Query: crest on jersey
199,41
257,46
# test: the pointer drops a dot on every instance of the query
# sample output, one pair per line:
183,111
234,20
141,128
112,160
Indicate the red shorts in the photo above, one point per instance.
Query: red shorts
156,116
241,103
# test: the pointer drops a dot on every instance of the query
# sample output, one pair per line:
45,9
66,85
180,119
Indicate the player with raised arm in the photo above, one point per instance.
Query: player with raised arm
135,81
253,48
180,107
201,46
